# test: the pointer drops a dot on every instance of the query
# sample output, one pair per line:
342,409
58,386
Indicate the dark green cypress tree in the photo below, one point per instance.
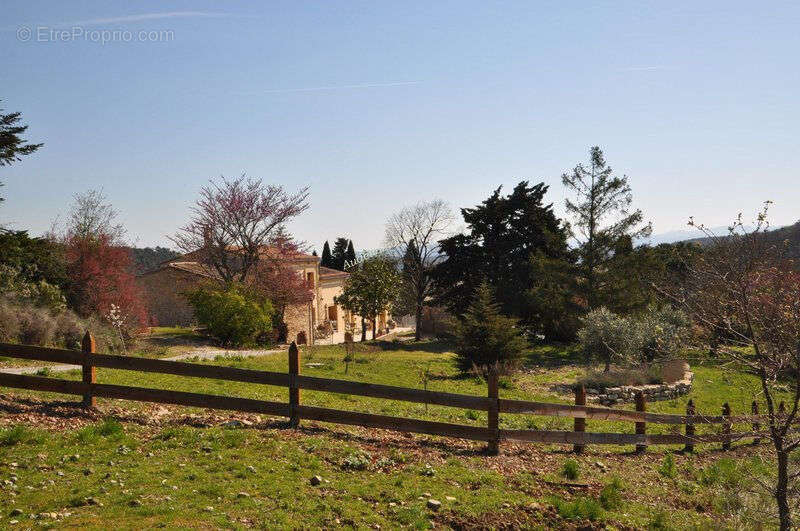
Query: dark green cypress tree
326,255
350,255
339,253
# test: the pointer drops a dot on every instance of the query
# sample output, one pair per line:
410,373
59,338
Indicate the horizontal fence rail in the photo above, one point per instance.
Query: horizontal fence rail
87,360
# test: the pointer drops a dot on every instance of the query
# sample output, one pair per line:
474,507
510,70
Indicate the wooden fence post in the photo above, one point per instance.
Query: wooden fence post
88,348
726,427
493,447
580,423
690,411
641,427
756,422
294,390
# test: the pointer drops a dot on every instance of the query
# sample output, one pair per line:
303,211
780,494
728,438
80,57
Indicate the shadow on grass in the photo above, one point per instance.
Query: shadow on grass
434,346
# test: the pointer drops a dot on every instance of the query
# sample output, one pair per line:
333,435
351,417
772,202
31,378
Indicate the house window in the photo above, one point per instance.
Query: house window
310,278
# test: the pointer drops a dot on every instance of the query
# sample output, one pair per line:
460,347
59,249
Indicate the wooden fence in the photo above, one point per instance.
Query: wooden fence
89,389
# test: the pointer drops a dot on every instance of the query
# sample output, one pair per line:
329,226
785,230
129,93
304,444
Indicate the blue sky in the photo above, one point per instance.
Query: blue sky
376,105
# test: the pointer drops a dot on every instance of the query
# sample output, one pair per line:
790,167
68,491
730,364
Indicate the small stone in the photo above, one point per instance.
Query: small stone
12,522
209,509
600,465
242,495
392,504
434,505
506,505
92,501
251,468
15,512
315,480
150,454
426,494
450,498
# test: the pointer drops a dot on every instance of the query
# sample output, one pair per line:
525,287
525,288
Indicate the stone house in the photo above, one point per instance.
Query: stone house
163,290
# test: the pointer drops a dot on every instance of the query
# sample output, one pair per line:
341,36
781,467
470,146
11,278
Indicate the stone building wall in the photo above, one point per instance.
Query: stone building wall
163,293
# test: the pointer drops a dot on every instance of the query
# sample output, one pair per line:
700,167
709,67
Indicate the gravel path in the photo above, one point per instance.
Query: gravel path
200,354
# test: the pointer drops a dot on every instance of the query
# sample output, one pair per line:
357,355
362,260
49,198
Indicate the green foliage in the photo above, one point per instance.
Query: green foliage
606,228
616,377
233,316
109,428
371,287
326,260
723,472
580,508
504,232
659,521
570,469
486,338
667,467
611,338
606,337
611,495
19,434
357,461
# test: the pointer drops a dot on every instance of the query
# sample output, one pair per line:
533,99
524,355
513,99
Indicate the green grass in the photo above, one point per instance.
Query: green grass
144,475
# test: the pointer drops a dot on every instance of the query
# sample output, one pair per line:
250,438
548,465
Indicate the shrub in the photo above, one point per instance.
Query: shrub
607,337
617,377
9,323
570,469
20,434
486,338
233,316
611,338
36,326
69,330
324,330
580,508
357,461
668,468
611,495
661,333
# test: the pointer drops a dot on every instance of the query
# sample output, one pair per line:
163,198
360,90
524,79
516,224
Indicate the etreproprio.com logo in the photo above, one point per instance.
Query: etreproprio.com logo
97,35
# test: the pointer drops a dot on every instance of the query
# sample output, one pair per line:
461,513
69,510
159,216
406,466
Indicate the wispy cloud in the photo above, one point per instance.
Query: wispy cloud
146,16
127,19
644,68
331,87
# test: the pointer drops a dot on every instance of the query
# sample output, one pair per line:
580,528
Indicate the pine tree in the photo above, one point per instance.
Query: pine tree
605,225
350,254
12,146
326,256
486,338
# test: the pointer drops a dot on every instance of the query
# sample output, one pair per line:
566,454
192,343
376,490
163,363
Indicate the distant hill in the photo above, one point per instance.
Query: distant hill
789,233
147,258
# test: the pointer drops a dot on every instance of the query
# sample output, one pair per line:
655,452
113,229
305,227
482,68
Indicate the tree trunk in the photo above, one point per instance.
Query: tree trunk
373,328
363,330
418,331
781,491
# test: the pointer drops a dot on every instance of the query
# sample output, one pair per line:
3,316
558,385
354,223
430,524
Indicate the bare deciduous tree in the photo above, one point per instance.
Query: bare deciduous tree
413,234
745,296
235,221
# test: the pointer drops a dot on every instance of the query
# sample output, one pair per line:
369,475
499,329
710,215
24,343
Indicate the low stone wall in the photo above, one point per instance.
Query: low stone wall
653,392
